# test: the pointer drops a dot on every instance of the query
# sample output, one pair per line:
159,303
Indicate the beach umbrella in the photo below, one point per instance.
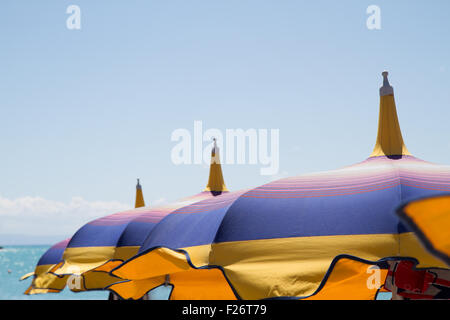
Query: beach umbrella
328,234
102,244
43,280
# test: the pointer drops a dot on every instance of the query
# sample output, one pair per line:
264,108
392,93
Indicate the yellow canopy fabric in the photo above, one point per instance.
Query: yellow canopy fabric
430,219
351,279
46,282
43,279
268,268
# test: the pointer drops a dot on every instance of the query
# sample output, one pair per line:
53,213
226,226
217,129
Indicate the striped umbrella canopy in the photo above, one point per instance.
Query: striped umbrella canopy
324,235
100,245
44,281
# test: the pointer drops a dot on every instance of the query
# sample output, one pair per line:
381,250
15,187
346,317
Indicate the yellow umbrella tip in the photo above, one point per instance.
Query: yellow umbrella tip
389,138
216,182
139,196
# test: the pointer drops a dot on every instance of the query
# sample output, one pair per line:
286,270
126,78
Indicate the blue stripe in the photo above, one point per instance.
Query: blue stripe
135,233
185,230
363,213
260,218
51,256
97,236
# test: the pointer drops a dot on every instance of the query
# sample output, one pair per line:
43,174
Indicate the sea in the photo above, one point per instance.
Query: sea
15,261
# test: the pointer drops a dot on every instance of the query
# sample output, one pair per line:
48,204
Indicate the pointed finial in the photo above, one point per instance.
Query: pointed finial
138,185
214,149
386,89
215,145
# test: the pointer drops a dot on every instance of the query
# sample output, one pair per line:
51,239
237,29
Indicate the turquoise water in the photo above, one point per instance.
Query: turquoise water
20,260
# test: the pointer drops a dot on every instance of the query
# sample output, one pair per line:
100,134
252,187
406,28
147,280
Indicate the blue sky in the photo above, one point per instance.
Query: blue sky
83,113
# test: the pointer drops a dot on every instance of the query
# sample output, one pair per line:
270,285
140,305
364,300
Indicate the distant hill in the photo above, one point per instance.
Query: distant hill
20,239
